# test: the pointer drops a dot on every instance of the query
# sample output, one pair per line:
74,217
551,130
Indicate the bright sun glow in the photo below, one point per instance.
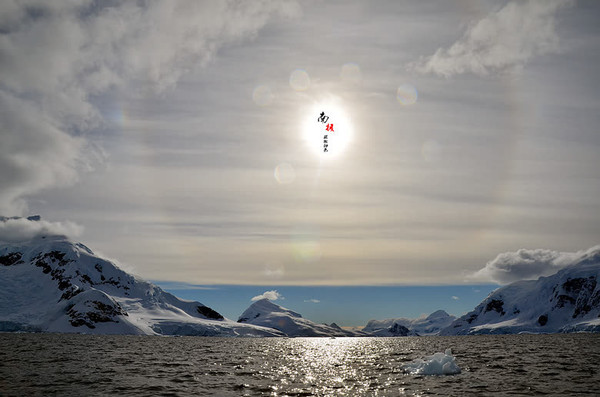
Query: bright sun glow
314,130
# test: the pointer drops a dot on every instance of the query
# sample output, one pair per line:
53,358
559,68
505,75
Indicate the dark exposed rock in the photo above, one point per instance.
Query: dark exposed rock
111,310
542,320
111,281
582,310
78,322
398,330
45,267
58,257
563,300
98,267
209,313
495,304
14,258
44,261
64,284
595,299
583,304
472,318
87,278
100,313
71,292
78,319
573,285
580,293
57,273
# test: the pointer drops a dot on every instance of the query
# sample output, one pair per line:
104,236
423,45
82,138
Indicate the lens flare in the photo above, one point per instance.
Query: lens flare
262,96
351,74
407,94
285,174
306,247
299,80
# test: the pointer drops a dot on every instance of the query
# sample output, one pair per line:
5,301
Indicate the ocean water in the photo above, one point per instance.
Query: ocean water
82,365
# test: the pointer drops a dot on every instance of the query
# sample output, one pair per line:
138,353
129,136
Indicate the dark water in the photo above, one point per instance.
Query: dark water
80,365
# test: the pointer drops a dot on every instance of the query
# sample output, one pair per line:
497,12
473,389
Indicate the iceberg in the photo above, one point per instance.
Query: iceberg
436,364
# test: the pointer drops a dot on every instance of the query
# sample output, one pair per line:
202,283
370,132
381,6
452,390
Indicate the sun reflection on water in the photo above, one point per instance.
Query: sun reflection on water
327,366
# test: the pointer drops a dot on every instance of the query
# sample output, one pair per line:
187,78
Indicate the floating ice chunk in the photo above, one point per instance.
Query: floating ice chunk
436,364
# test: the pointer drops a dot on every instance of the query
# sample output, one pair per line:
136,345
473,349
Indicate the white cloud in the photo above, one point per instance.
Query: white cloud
503,40
455,297
270,295
526,264
312,301
57,56
23,229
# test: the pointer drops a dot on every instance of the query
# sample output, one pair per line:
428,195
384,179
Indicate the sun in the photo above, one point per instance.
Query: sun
327,136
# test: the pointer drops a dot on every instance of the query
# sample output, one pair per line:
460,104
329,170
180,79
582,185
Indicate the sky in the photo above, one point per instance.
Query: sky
347,306
181,138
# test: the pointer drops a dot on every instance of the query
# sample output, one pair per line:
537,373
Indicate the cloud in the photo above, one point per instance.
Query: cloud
505,39
58,58
22,229
455,297
526,264
270,295
312,301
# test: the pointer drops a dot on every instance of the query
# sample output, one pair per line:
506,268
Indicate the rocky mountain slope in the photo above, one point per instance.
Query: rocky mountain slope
568,301
50,284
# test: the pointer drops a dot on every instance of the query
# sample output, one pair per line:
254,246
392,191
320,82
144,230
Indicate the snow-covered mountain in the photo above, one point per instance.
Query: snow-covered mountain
50,284
268,314
429,325
394,330
568,301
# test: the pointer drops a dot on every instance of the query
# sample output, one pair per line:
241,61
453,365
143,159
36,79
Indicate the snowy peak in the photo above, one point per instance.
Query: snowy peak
568,301
438,315
51,284
265,307
268,314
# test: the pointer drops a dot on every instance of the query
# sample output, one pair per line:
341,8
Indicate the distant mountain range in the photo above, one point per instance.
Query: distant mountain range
430,325
50,284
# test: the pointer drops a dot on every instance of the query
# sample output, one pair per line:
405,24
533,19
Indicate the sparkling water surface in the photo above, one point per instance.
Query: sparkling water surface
83,365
